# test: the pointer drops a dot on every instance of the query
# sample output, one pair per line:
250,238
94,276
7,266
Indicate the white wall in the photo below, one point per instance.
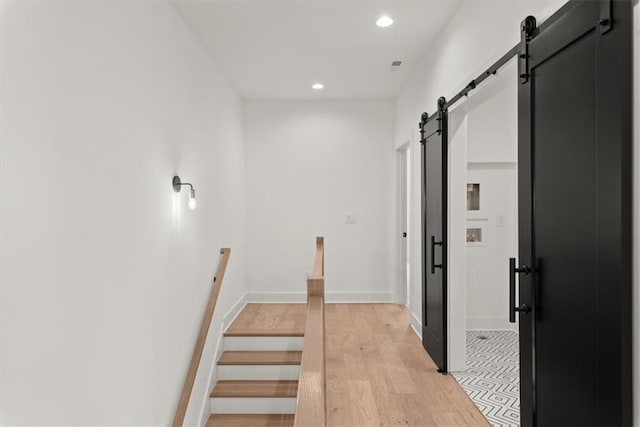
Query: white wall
478,34
487,262
309,163
457,272
493,120
104,276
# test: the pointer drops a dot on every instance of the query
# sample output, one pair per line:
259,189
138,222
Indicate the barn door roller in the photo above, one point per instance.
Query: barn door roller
526,34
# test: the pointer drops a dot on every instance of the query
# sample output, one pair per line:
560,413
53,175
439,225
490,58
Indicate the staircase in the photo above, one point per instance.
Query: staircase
262,369
257,375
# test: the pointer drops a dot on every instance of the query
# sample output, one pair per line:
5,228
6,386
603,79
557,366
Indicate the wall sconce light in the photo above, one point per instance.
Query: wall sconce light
177,186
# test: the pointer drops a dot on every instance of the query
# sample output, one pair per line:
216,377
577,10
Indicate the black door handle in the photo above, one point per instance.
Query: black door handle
433,254
513,270
404,234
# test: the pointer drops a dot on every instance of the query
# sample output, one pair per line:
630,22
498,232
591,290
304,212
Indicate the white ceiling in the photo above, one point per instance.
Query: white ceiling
276,49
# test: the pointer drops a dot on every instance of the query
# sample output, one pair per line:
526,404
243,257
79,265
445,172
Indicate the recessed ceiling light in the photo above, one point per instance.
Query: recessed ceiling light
384,21
317,86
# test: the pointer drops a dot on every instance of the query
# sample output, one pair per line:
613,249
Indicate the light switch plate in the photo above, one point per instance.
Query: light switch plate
350,218
500,221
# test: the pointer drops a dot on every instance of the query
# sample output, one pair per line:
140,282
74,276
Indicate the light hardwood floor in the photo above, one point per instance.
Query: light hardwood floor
270,320
378,374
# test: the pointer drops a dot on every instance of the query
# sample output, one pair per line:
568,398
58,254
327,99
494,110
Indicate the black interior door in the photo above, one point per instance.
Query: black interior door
434,243
575,216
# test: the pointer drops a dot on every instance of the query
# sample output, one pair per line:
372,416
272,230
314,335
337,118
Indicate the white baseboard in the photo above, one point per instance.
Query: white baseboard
253,405
416,325
227,319
258,372
360,297
276,297
233,312
331,297
490,324
263,343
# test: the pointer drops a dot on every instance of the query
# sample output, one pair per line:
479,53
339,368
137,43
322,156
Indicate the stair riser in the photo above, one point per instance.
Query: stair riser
253,405
258,372
263,343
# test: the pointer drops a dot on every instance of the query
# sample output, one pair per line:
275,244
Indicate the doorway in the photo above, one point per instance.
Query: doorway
483,343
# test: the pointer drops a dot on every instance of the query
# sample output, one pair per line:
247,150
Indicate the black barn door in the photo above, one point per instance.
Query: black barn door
575,217
434,243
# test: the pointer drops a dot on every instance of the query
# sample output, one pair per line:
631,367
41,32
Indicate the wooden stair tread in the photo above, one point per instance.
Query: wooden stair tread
255,420
251,332
255,388
260,358
269,319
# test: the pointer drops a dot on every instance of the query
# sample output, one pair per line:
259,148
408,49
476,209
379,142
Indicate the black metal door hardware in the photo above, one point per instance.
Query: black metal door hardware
434,243
522,308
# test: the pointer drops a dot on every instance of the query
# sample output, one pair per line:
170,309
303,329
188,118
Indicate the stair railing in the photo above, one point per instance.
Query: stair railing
187,388
312,392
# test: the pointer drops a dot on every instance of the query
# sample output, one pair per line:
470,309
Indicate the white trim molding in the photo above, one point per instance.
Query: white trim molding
416,325
331,297
360,297
227,319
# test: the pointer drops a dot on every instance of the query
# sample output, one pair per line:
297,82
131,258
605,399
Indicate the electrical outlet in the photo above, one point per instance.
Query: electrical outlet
350,218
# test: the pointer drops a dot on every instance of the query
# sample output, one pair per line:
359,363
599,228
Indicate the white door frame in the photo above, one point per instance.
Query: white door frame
403,221
457,249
